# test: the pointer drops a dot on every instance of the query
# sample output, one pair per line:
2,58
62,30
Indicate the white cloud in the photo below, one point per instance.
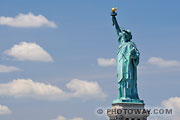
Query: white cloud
28,51
60,117
6,69
163,63
27,20
26,88
4,110
85,89
158,65
105,62
78,118
174,104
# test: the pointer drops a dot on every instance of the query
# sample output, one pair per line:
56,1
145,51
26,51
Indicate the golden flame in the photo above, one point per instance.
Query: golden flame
114,9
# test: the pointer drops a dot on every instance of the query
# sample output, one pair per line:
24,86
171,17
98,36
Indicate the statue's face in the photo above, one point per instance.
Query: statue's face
127,37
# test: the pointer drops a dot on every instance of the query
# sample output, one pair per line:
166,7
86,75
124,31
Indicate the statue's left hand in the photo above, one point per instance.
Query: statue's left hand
113,14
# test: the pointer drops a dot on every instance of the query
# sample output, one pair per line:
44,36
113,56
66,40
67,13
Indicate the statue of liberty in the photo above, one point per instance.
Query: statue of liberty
127,62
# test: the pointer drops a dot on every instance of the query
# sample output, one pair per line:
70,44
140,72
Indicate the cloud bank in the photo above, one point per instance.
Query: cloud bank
27,20
106,62
4,110
27,88
6,69
25,51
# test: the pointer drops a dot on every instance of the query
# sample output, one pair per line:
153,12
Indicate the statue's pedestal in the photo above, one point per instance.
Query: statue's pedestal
127,111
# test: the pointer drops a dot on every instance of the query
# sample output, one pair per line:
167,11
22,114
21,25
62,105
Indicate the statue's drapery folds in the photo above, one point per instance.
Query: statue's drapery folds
127,61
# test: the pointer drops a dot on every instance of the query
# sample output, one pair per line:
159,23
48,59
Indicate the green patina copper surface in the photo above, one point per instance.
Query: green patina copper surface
127,62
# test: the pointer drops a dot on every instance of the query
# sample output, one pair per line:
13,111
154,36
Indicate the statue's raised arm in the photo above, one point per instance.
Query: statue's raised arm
114,14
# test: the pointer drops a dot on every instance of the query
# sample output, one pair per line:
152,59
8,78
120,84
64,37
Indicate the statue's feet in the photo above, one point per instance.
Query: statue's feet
127,100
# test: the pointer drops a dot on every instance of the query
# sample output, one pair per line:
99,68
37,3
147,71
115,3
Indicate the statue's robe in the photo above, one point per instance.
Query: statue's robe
127,61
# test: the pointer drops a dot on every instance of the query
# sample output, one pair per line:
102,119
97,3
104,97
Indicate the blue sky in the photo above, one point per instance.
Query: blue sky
63,41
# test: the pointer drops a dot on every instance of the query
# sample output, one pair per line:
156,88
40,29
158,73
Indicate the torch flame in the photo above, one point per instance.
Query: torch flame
114,9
